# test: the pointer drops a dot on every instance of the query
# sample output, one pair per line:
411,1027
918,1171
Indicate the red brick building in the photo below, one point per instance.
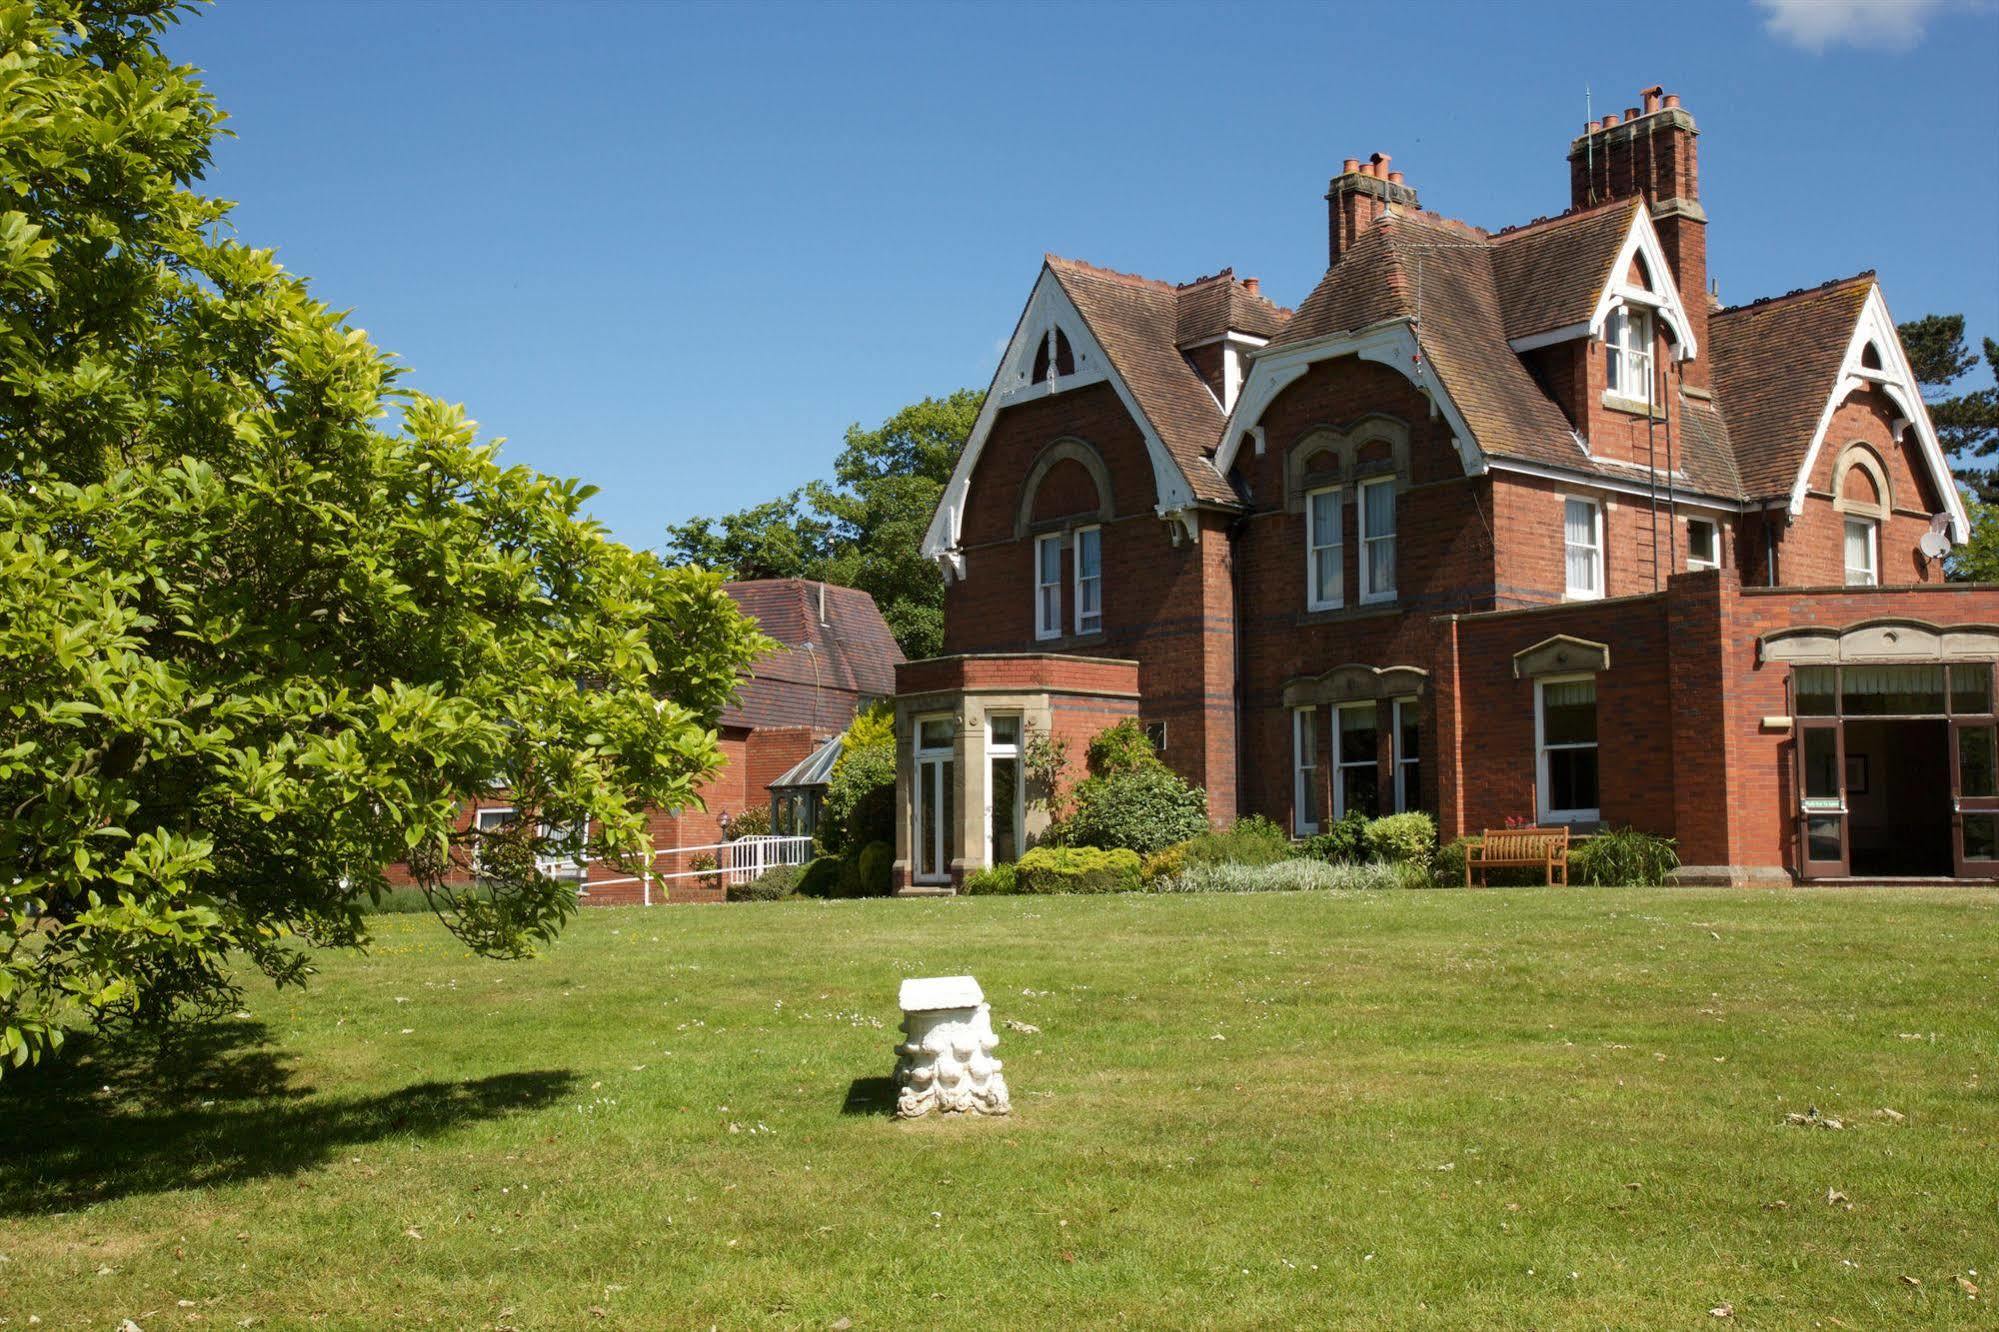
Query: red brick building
1515,524
836,655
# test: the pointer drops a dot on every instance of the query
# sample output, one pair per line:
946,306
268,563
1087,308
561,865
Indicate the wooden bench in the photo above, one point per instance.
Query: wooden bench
1545,849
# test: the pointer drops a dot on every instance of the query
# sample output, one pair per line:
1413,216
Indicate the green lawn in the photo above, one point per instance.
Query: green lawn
1516,1108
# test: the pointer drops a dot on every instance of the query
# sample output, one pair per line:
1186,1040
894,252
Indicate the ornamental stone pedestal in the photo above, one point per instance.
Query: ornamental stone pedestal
946,1057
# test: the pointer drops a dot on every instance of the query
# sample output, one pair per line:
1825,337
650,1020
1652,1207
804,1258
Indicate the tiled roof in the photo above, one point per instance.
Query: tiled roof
1774,365
1707,456
1210,306
1136,320
823,669
1550,273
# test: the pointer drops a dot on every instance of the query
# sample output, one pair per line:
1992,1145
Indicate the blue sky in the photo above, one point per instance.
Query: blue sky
676,249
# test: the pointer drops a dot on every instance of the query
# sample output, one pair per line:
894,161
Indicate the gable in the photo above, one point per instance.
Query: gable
1050,308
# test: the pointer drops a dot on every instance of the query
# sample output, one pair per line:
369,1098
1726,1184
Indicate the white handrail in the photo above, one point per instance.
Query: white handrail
741,861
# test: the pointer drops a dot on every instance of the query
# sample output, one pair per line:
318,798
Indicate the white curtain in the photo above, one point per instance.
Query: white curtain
1380,524
1579,540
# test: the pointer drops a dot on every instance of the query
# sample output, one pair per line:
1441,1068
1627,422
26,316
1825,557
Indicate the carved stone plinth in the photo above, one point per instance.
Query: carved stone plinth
945,1061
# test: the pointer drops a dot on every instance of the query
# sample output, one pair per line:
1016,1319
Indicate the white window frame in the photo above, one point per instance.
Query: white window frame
1569,591
925,756
1304,763
1369,593
502,816
1405,799
997,749
1871,574
1047,593
1545,812
1093,622
1627,337
1714,530
1340,764
1316,597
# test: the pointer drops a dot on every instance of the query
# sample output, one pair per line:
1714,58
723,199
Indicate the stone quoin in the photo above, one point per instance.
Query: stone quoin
1502,525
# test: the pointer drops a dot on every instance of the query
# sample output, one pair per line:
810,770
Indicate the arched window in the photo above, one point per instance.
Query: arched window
1861,494
1054,358
1870,357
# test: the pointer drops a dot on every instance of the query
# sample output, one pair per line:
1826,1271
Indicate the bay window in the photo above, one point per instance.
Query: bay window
1358,788
1304,763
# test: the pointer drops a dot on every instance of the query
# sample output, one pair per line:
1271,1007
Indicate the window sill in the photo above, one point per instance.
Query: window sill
1337,615
1617,402
1095,638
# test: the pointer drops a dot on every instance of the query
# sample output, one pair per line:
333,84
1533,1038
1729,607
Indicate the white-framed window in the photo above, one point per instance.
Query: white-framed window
936,805
1325,566
1356,744
1006,803
1089,579
1408,755
1304,762
1565,757
1048,586
1703,544
1863,552
1377,540
486,821
1627,351
563,858
1582,547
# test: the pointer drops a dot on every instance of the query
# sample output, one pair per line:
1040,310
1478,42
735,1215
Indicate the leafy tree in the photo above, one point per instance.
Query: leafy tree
1967,422
864,529
254,645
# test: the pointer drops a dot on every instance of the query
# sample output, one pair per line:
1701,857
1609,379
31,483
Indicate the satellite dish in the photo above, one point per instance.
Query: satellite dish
1936,542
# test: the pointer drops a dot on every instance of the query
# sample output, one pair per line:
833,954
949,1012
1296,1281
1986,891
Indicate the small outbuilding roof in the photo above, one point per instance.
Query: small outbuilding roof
815,769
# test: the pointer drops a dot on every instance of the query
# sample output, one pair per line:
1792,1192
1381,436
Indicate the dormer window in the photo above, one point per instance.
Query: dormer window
1627,348
1054,358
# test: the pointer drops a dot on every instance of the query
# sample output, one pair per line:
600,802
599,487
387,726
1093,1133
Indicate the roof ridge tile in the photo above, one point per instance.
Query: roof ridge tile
1867,275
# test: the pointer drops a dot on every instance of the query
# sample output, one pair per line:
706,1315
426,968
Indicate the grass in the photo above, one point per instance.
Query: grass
1516,1108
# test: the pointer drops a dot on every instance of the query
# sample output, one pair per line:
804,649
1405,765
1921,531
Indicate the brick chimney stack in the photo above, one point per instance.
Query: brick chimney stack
1361,192
1649,152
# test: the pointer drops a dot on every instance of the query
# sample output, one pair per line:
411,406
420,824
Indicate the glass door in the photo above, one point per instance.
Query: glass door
936,815
1822,799
1005,804
1974,776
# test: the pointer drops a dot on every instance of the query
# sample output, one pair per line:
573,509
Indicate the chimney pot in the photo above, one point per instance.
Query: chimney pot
1395,178
1672,100
1350,167
1380,161
1610,120
1631,113
1651,96
1254,286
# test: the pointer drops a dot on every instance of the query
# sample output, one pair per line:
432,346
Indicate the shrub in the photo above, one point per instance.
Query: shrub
751,822
994,881
1290,876
773,885
1620,857
872,726
1253,840
1124,747
1078,869
1143,809
860,798
703,866
877,869
821,878
1345,843
1405,839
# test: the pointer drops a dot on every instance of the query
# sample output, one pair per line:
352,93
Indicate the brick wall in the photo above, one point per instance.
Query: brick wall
1812,550
1161,603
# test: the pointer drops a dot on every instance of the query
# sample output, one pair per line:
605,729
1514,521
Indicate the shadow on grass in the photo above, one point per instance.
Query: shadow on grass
870,1096
109,1118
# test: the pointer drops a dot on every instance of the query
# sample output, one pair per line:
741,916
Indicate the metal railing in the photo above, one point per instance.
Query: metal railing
742,861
